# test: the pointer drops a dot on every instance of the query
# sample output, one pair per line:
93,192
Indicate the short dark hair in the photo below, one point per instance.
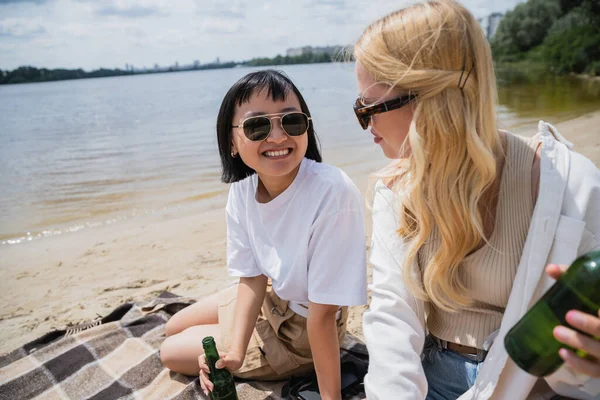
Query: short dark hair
278,86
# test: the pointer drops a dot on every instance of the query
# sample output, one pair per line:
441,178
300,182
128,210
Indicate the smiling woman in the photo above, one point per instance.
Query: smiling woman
291,220
267,96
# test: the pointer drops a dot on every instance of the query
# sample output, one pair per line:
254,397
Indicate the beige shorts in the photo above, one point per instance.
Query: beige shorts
279,346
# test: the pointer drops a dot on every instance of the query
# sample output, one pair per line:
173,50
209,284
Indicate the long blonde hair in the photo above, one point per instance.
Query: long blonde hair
426,49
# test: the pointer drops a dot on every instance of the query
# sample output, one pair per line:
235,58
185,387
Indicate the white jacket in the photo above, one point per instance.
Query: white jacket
565,224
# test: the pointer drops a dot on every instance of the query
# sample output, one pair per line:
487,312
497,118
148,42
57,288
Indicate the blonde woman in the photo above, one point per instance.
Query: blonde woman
465,218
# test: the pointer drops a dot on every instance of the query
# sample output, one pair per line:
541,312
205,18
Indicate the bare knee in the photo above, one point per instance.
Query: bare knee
178,354
171,357
177,324
166,352
201,313
171,328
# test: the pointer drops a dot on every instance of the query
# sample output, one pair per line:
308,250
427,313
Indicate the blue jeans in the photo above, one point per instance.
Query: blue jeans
449,374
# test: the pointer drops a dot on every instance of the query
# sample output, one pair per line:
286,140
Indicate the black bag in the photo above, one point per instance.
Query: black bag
307,388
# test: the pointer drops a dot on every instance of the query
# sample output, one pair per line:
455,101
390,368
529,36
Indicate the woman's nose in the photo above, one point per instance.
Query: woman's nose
277,135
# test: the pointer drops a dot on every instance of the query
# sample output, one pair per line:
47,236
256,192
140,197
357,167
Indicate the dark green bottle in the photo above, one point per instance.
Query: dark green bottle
221,378
531,343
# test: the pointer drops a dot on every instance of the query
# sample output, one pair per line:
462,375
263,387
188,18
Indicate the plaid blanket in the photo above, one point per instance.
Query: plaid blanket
116,357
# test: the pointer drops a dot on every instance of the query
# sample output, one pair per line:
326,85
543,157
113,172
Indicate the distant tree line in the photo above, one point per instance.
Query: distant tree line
306,58
31,74
562,34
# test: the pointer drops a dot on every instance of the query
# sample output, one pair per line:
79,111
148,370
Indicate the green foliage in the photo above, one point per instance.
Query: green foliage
568,5
590,8
215,66
593,68
308,58
563,34
32,74
575,17
573,50
524,28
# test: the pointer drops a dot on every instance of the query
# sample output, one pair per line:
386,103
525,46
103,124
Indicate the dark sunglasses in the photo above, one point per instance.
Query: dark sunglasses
364,113
259,128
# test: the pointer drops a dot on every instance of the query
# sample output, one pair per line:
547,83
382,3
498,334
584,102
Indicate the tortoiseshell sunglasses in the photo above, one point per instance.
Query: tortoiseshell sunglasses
364,113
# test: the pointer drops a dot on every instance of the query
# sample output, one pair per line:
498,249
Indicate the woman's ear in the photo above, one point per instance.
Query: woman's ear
234,150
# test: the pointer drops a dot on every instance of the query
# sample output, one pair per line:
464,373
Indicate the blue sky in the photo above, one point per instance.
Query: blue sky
110,33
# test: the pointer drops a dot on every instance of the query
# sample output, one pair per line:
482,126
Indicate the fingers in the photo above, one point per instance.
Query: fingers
556,270
587,367
224,363
585,322
205,383
221,362
205,368
202,364
590,325
204,374
577,340
231,361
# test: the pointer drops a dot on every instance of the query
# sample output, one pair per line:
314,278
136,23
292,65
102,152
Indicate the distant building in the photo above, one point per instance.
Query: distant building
299,51
490,24
484,23
493,23
294,52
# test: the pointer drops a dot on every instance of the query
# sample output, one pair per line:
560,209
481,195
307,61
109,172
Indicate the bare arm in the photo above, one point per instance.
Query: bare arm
251,293
325,347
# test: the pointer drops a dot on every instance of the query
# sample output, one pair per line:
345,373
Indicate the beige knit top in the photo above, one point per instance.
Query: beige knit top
489,272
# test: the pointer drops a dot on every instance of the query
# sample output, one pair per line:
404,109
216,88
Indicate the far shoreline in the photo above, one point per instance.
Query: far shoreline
523,66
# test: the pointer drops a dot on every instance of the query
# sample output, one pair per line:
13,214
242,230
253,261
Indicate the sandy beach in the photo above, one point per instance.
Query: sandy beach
74,277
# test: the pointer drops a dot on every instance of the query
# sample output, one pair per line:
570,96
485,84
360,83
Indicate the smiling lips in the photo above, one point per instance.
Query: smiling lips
277,153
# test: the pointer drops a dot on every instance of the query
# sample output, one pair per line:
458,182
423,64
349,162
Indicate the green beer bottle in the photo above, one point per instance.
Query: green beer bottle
531,343
222,379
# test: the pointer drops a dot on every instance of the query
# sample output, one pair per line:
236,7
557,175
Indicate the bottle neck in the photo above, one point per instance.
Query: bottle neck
211,354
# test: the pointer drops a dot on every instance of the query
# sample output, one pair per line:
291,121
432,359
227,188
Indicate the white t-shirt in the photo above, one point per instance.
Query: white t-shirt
309,240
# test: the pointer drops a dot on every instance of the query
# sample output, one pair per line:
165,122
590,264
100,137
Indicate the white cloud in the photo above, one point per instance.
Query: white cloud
129,8
109,33
216,26
228,10
7,47
75,30
21,28
21,1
